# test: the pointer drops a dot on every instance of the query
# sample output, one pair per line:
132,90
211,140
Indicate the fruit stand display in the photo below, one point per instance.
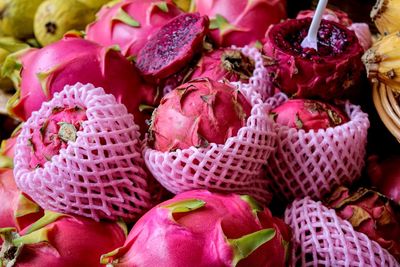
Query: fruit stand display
199,133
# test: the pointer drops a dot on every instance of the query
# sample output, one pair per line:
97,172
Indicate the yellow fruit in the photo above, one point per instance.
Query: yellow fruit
17,17
386,15
95,4
56,17
382,61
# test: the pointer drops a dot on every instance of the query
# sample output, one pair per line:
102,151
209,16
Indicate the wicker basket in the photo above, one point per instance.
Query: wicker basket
388,107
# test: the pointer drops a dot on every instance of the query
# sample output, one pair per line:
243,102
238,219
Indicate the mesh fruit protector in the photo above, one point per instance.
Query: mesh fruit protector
314,163
321,238
100,175
235,166
258,81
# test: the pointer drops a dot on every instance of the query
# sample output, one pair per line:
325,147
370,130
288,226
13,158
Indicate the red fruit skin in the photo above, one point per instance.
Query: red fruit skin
72,241
247,20
220,64
198,113
385,176
108,30
73,60
172,47
325,77
200,235
308,115
371,214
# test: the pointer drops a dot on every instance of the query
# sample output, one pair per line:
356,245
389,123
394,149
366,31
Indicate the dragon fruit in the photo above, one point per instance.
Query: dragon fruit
240,22
207,229
129,24
308,115
198,113
322,238
173,46
39,73
385,176
370,213
61,240
332,71
224,63
361,29
80,154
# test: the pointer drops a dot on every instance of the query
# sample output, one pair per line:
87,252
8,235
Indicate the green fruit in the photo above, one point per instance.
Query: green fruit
95,4
8,45
56,17
16,17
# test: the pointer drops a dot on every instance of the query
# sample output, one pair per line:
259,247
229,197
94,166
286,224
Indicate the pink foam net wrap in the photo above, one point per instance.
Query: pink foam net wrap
100,175
235,166
258,81
321,238
315,163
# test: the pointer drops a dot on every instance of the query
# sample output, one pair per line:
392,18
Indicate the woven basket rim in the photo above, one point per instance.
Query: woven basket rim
387,107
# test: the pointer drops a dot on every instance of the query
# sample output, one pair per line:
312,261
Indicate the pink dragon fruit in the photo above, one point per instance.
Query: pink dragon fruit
370,213
80,154
173,46
308,115
61,240
205,229
224,63
198,113
313,163
43,72
7,147
385,176
332,71
321,237
130,23
361,29
240,22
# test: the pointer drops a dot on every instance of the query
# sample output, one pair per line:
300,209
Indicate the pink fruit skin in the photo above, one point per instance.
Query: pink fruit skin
199,236
361,29
9,197
47,141
198,113
308,115
324,77
385,176
248,19
108,30
73,60
7,147
73,241
219,64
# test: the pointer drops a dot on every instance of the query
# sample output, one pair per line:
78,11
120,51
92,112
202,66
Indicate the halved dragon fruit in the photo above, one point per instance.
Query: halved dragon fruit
173,46
92,164
240,22
199,228
308,115
130,23
197,162
361,29
196,114
39,73
61,240
385,175
322,238
332,71
312,163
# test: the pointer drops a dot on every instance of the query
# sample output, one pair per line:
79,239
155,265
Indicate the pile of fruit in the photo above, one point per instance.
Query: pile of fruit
193,133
